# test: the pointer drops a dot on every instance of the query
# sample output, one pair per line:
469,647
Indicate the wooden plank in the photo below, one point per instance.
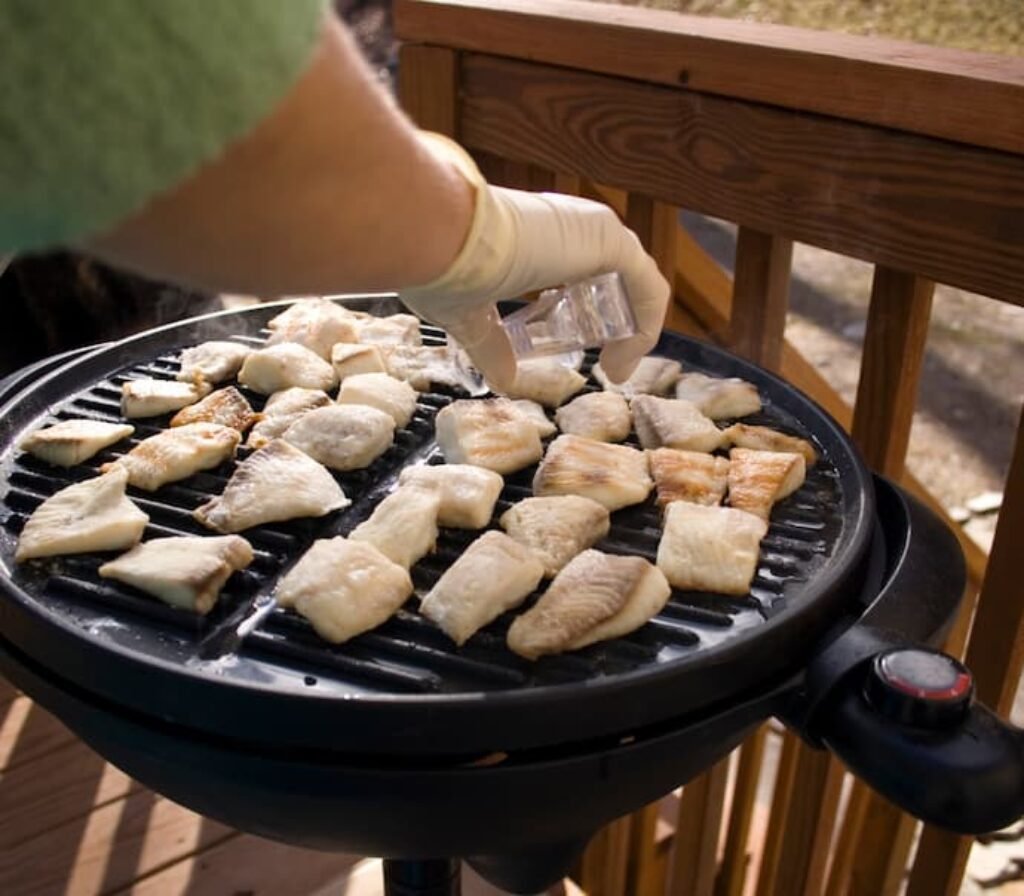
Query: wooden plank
846,854
606,859
732,876
760,297
950,212
28,732
7,692
894,343
890,833
952,94
782,797
940,864
108,849
428,87
695,854
644,871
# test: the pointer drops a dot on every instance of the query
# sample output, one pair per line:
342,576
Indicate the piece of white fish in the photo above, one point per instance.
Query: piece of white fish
276,483
423,366
603,416
344,588
536,414
653,376
546,381
177,453
596,597
688,476
150,398
710,548
493,575
403,527
396,329
349,360
213,361
556,528
488,433
227,406
72,441
185,571
468,493
317,325
613,475
282,366
313,308
282,410
93,515
764,438
671,423
757,479
383,392
719,398
342,436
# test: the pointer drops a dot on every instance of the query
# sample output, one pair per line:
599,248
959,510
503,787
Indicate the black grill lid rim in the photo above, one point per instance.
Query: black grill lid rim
446,723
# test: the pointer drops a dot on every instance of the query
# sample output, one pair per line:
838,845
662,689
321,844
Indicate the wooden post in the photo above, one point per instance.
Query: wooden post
733,874
428,87
603,870
760,296
695,850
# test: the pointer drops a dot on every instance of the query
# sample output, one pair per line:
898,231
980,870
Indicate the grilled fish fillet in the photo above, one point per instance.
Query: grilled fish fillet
344,588
546,381
536,414
717,397
186,571
403,527
688,476
72,441
468,494
227,407
150,398
282,410
556,529
603,416
653,376
177,453
757,479
342,436
319,328
595,598
312,309
94,515
710,548
383,392
396,329
494,574
764,438
213,361
349,360
282,366
421,366
613,475
671,423
489,433
276,483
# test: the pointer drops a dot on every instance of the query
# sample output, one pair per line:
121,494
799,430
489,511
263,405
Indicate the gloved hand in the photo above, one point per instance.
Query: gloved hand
519,242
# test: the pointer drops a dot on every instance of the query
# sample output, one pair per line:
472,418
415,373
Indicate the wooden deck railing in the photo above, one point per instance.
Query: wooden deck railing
911,158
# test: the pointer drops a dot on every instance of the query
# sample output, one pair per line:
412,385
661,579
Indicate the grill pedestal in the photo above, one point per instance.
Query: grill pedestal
425,877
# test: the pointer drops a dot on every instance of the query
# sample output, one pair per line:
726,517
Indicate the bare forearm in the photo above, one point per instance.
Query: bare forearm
331,192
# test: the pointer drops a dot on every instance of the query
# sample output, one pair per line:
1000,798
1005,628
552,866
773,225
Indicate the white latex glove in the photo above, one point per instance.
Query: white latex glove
520,242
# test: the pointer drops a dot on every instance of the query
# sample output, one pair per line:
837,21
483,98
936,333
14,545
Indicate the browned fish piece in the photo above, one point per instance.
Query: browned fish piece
671,423
596,597
226,407
490,433
764,438
719,397
613,475
177,453
556,529
688,476
757,479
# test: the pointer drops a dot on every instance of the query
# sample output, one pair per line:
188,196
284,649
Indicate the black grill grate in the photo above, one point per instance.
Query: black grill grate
407,655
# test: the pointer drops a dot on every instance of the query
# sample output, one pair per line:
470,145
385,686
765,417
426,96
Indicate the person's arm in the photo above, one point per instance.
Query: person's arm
331,192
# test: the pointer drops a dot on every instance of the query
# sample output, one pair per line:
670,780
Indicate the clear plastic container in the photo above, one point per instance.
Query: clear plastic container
565,321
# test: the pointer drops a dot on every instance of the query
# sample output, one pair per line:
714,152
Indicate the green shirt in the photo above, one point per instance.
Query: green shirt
107,103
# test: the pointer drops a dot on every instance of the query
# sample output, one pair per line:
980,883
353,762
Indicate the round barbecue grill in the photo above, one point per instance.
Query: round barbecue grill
399,744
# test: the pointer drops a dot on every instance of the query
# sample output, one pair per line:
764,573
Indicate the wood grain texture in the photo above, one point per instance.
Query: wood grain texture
606,859
695,852
644,870
894,343
952,213
939,864
884,82
732,875
760,298
428,87
883,849
846,856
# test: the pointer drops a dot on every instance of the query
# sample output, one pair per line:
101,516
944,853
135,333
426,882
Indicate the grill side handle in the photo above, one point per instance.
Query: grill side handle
903,716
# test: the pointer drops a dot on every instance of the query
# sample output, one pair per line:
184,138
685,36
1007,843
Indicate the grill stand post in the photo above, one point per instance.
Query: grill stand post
422,877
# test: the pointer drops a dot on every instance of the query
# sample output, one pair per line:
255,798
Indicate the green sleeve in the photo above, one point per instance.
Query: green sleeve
107,103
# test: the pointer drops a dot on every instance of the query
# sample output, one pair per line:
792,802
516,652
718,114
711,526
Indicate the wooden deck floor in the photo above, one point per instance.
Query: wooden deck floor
73,825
